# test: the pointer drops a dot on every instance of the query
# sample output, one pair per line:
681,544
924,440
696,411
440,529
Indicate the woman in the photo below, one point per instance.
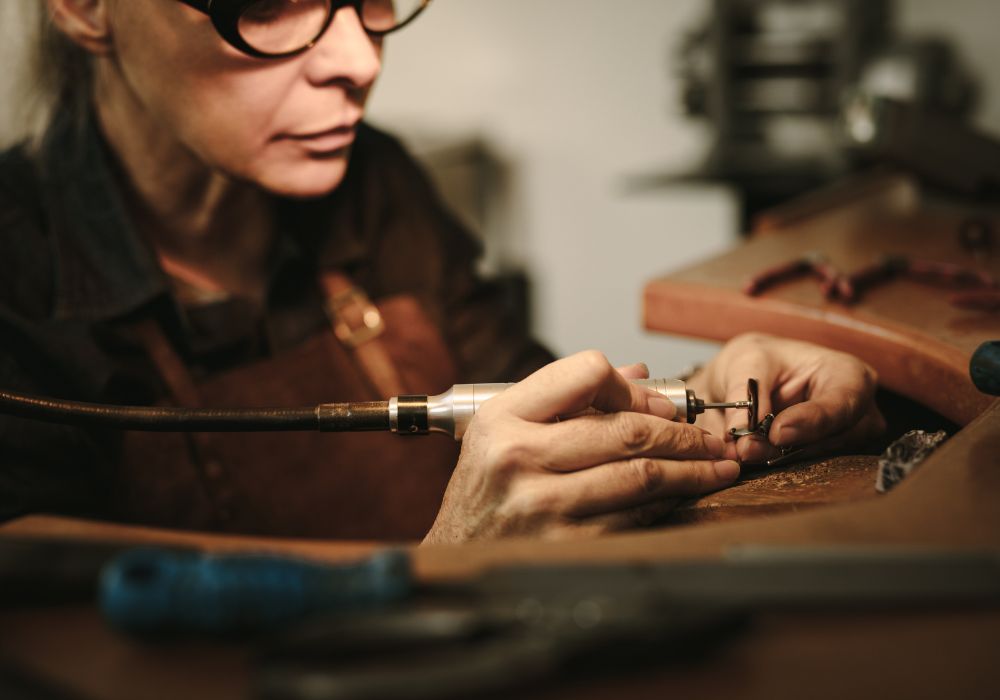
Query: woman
205,223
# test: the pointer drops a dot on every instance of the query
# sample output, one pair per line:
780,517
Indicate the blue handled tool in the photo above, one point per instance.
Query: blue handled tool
984,367
159,590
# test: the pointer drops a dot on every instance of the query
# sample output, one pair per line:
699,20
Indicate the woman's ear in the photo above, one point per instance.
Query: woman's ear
86,22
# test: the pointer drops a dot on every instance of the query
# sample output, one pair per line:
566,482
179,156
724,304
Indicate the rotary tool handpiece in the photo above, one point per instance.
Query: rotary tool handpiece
452,411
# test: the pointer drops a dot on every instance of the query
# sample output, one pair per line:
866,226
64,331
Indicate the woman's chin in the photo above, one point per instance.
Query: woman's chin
305,180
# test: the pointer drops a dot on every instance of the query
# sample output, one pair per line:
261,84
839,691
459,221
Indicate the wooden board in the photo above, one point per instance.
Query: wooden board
919,343
788,489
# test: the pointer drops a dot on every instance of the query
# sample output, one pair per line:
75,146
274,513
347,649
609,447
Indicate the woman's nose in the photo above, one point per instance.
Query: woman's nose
346,53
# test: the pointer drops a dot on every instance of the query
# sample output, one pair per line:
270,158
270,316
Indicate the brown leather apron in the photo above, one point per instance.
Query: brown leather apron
343,485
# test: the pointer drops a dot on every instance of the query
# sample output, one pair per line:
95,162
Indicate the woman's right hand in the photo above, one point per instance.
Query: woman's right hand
523,472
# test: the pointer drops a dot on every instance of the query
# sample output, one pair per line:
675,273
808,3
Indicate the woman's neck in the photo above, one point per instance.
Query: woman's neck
200,219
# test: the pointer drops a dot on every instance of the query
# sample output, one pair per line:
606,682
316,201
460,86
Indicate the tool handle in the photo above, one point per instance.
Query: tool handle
157,590
453,411
984,367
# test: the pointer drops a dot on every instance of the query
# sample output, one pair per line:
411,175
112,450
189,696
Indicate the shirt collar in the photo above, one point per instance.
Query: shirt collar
103,268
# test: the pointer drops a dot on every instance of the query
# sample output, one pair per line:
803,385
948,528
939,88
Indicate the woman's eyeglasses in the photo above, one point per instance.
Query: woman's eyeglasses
281,28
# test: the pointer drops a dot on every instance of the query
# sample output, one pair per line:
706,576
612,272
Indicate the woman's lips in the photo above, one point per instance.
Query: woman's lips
327,141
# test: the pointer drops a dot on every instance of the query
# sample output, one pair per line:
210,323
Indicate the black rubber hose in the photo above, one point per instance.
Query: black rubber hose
327,417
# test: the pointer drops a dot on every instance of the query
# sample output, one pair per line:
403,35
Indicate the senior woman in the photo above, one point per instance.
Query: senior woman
207,221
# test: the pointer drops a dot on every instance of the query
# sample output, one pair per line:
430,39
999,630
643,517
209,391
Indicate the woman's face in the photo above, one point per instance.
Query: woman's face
285,124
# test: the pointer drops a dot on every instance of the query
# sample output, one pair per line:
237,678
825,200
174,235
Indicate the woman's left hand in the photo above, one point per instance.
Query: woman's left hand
818,395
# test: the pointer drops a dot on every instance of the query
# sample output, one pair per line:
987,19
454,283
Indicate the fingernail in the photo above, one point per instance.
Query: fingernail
715,445
662,407
726,470
787,435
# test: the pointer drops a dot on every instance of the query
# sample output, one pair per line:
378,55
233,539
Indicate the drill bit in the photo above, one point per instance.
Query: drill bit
732,404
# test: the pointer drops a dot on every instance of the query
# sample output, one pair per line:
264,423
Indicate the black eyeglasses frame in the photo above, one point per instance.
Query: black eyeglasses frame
225,16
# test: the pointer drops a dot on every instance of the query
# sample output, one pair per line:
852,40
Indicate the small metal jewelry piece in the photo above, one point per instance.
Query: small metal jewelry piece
765,426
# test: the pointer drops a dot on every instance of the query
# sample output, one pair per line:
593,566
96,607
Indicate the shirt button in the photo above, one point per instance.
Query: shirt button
213,469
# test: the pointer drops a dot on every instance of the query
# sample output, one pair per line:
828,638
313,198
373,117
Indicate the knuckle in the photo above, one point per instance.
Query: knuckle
750,339
687,441
634,433
857,367
646,475
594,363
534,503
506,457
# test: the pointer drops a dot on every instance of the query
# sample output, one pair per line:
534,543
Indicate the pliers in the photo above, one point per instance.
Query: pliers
812,263
981,290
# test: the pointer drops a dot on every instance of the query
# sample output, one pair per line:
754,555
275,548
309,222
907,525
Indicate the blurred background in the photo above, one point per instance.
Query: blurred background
594,145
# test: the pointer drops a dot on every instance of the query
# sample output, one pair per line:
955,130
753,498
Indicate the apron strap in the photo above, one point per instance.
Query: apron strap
358,324
172,370
202,448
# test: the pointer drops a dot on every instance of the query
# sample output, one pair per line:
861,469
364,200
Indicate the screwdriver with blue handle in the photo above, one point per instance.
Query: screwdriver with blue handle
155,591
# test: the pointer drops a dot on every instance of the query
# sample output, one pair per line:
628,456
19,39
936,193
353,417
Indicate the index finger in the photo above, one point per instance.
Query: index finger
576,383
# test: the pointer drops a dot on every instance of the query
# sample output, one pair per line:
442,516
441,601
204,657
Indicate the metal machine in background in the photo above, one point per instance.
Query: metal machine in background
776,80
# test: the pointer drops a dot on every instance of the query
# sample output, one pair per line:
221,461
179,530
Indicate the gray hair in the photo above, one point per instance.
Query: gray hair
56,78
